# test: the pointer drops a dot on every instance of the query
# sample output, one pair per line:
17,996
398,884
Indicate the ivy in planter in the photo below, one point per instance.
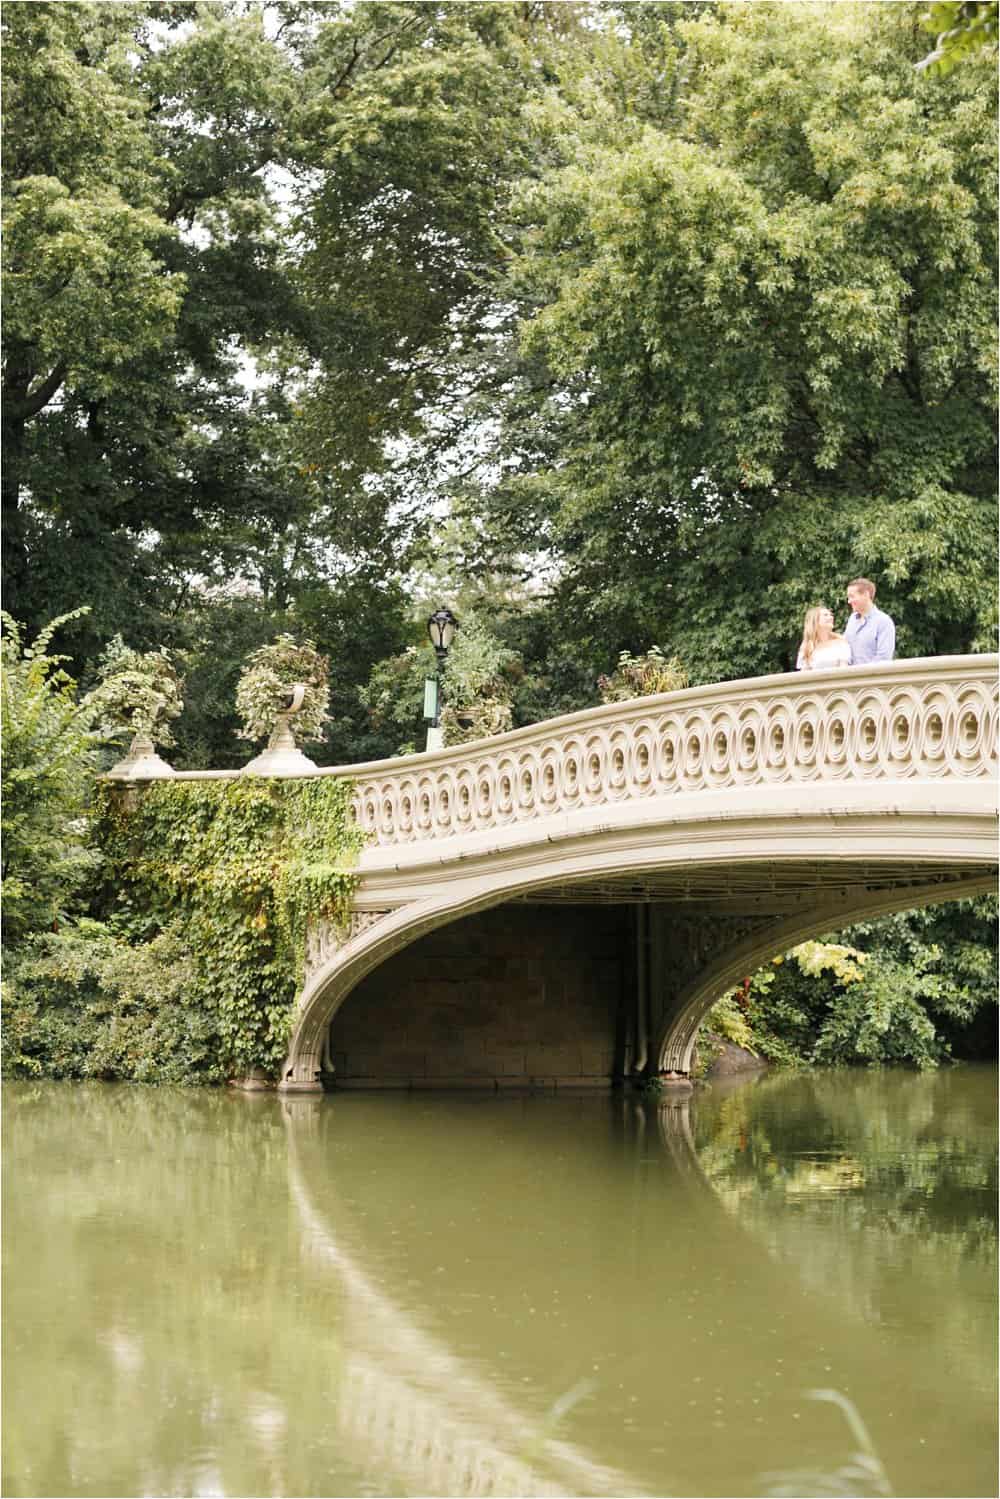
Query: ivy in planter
240,866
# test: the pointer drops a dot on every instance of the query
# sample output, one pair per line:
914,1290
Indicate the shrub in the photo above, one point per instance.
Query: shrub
266,681
830,1004
477,688
51,740
86,1003
139,692
642,676
479,696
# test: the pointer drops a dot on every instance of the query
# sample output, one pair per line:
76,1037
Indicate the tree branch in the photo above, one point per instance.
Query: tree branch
35,400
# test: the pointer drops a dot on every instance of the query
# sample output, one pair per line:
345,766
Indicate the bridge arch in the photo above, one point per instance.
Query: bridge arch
793,875
678,1030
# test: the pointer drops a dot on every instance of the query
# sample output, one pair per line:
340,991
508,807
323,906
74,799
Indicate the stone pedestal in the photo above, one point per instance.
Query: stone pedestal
255,1081
141,763
282,756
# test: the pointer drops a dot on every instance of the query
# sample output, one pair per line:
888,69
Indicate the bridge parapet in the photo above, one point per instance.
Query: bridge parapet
927,718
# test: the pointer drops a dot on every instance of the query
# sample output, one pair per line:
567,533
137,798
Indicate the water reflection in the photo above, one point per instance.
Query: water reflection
487,1295
408,1406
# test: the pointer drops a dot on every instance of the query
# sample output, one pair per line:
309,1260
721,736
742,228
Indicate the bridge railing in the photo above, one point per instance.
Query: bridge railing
929,717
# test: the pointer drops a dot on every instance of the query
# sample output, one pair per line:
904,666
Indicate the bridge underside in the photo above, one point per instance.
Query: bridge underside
765,886
579,983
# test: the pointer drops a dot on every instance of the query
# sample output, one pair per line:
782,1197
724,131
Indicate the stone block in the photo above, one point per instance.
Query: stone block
471,1082
376,1084
553,1061
585,1082
596,1061
505,1063
521,970
389,1062
456,1063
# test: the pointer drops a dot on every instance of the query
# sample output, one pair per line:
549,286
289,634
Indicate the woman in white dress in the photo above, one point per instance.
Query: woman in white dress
821,646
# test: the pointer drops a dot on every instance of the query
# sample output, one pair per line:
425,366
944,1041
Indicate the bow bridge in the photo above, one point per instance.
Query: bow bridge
564,903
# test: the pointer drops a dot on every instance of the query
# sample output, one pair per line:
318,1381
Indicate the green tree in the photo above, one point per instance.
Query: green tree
245,243
141,246
916,989
51,739
767,321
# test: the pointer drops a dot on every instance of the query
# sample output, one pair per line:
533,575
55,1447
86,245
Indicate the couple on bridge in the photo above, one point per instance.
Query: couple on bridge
869,634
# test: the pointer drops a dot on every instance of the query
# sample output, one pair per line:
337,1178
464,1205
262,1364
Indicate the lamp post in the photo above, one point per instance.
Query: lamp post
441,628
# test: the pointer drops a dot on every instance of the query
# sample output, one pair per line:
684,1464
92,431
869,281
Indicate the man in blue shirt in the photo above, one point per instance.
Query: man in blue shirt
870,633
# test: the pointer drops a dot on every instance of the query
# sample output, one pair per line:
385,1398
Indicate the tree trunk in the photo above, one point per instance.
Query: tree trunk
15,549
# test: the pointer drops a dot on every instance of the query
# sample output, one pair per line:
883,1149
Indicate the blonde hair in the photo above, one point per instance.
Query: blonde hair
810,632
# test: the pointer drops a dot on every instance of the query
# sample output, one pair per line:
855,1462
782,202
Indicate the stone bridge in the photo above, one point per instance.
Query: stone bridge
564,903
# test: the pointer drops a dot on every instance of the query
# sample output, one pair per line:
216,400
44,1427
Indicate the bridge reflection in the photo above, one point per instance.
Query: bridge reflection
409,1406
489,1348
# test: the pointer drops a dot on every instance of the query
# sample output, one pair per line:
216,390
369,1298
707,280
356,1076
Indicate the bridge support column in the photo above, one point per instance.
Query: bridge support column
302,1077
682,942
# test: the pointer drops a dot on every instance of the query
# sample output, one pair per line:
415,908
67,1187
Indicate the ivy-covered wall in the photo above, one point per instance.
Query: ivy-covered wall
192,971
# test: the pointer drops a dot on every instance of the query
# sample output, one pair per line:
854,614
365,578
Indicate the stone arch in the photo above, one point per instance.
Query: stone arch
324,994
678,1030
636,854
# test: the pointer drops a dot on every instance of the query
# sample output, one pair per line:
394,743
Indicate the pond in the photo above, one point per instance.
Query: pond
783,1287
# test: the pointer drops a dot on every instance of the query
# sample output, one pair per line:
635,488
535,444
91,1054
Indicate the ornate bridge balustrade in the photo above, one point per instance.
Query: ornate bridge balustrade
926,719
735,820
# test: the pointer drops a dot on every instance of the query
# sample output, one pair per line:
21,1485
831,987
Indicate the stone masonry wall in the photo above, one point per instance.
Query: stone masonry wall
518,996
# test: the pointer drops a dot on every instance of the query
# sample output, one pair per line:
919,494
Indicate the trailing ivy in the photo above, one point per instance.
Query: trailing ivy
239,867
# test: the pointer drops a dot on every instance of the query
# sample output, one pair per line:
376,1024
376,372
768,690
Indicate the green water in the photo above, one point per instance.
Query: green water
465,1294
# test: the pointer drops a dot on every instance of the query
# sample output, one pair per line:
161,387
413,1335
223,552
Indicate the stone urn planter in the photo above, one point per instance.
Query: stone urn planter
282,757
282,682
141,692
141,763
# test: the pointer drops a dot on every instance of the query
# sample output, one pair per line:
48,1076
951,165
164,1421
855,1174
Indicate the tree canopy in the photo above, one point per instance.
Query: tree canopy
605,304
772,314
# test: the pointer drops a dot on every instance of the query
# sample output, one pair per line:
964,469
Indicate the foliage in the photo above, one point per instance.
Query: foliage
238,867
957,941
757,348
477,720
139,691
87,1003
50,750
641,676
269,676
725,1021
247,245
393,697
961,27
477,687
903,999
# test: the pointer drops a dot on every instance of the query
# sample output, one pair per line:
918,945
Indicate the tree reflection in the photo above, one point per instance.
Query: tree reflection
879,1189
